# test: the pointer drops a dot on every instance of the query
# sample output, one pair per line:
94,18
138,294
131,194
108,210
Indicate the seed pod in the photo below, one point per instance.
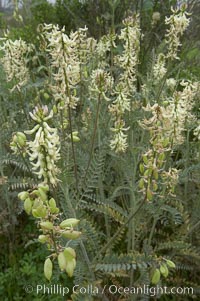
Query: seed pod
42,194
43,238
46,225
28,205
20,139
40,212
149,195
48,266
70,222
155,276
164,270
145,159
44,187
52,206
141,168
155,186
70,267
23,195
69,253
75,138
170,263
46,96
71,234
155,174
141,183
62,261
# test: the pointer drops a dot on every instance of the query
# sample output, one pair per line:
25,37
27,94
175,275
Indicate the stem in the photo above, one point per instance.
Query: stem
93,137
73,149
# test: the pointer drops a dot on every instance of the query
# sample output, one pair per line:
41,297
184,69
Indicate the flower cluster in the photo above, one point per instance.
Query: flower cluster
125,87
128,60
178,22
15,61
119,142
44,149
152,168
64,62
178,112
105,44
101,83
159,69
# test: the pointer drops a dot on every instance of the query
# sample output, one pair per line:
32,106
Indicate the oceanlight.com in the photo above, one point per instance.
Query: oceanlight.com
58,289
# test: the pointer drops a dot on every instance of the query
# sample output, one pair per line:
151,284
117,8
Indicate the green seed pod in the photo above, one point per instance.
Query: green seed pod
170,263
69,253
70,222
70,267
44,187
52,206
46,225
71,234
62,261
21,139
141,168
164,270
155,174
145,159
46,96
48,267
149,195
155,276
43,238
141,183
23,195
155,186
28,205
40,212
75,138
42,194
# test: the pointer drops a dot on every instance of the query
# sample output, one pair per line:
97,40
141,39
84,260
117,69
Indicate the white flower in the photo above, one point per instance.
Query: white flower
119,141
178,22
15,61
159,69
44,149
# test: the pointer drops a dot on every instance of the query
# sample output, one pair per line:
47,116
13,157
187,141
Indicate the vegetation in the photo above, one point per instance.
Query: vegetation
99,153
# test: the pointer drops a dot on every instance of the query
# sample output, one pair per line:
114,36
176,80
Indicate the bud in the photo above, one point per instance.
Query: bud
48,266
